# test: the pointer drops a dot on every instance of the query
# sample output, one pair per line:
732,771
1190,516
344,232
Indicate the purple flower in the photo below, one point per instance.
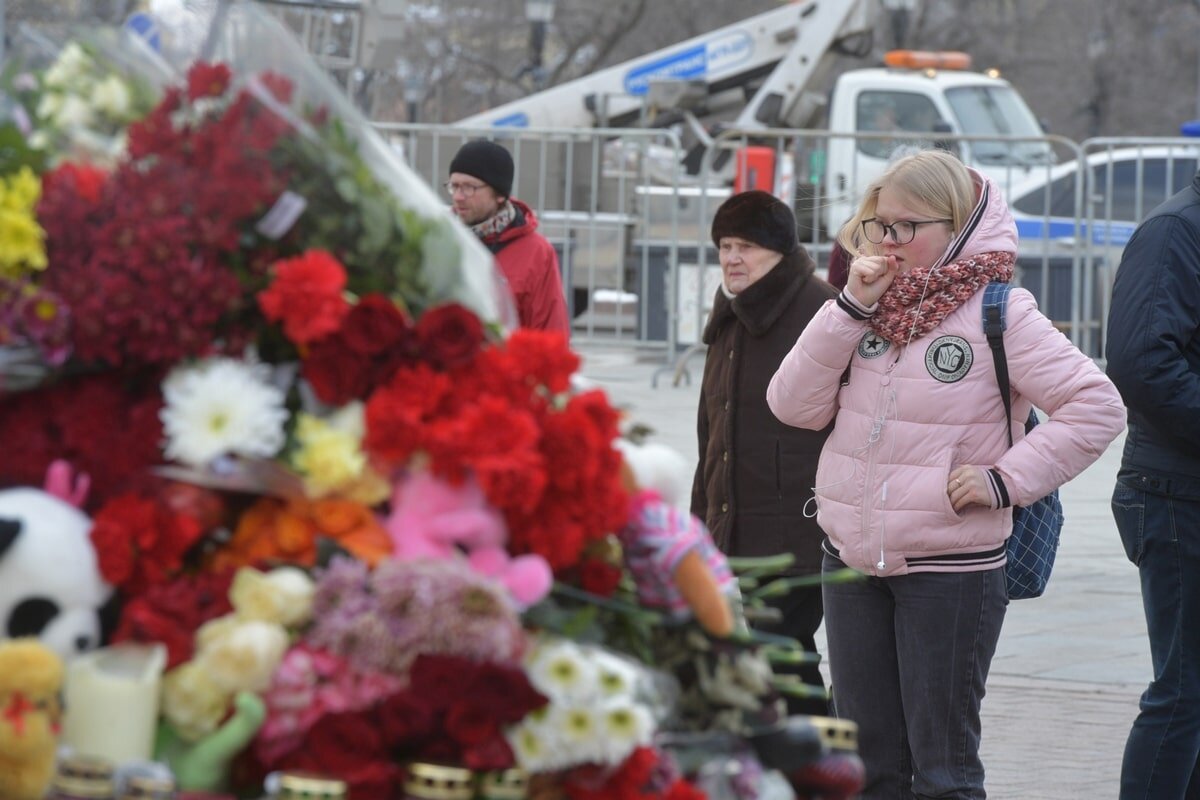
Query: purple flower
406,608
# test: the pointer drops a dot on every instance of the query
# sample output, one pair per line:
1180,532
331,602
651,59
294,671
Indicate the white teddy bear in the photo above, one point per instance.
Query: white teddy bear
50,583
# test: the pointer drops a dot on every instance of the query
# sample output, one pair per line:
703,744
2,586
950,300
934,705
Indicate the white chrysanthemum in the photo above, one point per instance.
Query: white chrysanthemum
71,65
221,407
531,748
111,97
615,677
73,112
49,105
560,670
577,732
624,726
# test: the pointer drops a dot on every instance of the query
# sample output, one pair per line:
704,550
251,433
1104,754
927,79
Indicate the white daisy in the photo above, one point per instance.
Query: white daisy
531,750
572,735
623,727
221,407
561,670
615,676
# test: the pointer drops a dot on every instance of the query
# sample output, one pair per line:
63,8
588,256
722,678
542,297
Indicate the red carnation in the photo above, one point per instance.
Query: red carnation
171,612
307,296
599,577
207,80
449,334
543,356
400,415
141,543
84,180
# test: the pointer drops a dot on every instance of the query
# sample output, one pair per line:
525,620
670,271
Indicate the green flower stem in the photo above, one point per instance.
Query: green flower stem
789,685
756,566
792,657
781,586
618,606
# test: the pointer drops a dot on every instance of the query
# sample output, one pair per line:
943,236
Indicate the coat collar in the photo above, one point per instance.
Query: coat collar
760,306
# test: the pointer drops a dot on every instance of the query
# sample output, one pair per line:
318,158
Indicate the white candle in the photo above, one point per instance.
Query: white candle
111,699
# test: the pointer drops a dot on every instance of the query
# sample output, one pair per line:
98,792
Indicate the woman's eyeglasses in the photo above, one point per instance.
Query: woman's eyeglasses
903,231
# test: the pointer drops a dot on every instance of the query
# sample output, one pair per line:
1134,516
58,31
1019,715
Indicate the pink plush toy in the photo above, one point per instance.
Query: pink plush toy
432,519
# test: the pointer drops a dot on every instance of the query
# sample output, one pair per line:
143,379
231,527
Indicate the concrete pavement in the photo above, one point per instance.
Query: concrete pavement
1070,665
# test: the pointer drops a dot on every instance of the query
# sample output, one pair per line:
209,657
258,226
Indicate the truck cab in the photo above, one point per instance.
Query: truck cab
917,98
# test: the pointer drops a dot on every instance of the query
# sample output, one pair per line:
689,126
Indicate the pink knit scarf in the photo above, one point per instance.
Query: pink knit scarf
911,308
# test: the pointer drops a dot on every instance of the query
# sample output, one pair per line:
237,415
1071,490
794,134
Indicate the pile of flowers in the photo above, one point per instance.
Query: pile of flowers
323,473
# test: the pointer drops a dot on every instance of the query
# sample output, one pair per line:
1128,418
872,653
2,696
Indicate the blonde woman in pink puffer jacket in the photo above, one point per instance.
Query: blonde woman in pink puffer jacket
916,483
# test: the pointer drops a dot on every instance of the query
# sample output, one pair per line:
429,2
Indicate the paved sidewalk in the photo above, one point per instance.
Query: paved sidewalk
1070,666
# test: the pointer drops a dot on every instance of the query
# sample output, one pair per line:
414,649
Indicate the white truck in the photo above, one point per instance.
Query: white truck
772,70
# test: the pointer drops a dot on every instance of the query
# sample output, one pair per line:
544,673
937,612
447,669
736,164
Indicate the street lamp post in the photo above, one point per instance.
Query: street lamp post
539,13
414,92
900,12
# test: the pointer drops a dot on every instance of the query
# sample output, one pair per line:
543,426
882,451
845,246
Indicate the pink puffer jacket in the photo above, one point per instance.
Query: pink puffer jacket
909,415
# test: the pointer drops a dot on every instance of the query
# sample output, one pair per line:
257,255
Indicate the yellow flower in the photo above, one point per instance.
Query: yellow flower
21,191
283,595
192,702
328,457
243,656
22,244
331,459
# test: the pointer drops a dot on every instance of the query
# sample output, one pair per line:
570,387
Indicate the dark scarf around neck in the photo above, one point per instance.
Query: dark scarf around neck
760,305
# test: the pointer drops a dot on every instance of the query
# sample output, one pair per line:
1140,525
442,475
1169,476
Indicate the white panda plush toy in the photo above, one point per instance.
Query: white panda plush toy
50,584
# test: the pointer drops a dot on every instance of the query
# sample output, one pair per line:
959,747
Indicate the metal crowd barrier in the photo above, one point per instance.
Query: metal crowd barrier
631,223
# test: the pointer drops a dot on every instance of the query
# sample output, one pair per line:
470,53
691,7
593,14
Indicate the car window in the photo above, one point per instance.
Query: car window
983,110
878,111
1122,190
1056,199
1129,190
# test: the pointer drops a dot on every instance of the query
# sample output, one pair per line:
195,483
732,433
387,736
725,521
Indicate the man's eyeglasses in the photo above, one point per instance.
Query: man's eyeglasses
903,231
465,189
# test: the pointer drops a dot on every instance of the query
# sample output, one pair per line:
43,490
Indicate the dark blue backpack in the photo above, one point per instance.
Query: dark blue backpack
1036,527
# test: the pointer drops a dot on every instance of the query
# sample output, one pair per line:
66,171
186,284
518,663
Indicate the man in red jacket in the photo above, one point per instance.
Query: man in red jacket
480,184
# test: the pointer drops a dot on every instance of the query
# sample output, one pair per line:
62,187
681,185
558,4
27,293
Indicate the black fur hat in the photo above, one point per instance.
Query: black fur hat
758,217
487,161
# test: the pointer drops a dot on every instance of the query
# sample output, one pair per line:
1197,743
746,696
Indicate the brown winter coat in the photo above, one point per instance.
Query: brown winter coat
755,473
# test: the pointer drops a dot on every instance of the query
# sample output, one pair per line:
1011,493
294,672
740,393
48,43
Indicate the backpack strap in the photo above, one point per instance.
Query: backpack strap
995,304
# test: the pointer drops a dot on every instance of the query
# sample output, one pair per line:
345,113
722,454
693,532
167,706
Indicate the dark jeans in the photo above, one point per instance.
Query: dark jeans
801,610
1162,537
909,657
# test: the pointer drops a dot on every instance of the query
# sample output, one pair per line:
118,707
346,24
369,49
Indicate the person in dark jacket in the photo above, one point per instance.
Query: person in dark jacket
480,188
1153,350
755,474
839,266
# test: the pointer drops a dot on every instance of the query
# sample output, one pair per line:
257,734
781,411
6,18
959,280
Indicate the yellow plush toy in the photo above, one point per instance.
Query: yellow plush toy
31,677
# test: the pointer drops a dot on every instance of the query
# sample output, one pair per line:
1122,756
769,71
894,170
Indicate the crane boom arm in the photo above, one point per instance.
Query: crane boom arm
782,47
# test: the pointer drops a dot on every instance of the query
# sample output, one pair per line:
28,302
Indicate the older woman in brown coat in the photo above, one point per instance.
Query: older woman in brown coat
756,474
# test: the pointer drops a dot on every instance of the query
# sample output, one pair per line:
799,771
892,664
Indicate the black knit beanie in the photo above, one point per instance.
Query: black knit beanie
487,161
758,217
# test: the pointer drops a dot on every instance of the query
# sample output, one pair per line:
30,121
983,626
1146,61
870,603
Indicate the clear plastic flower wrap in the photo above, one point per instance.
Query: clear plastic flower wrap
251,157
349,192
73,97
